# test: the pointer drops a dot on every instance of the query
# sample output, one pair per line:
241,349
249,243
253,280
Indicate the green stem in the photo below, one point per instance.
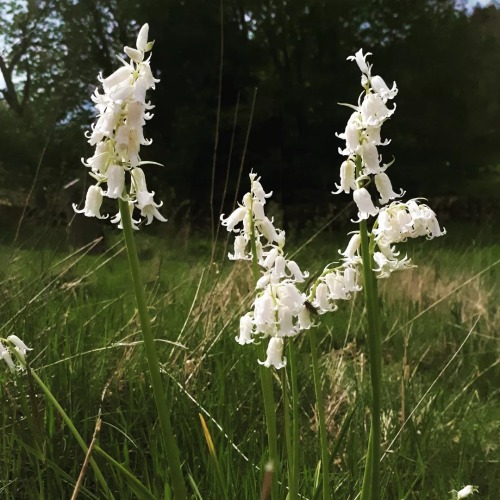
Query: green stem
287,432
73,430
270,412
371,479
162,406
290,425
325,461
266,381
294,483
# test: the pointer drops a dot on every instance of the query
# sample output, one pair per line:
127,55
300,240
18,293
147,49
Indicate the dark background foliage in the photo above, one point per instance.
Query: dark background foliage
290,55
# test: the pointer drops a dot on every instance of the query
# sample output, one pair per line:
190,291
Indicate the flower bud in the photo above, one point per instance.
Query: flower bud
142,38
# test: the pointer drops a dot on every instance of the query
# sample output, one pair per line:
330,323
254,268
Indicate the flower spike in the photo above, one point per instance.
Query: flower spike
118,136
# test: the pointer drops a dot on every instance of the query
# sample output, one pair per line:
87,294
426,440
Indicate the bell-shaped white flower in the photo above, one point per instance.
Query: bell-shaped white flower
381,88
351,253
352,134
99,162
334,282
234,219
374,110
372,134
269,231
270,258
321,300
290,297
361,61
93,202
123,76
285,324
274,354
351,279
298,275
116,182
466,491
240,245
347,177
5,355
246,330
148,208
384,187
371,158
364,202
20,346
136,115
264,312
258,190
387,266
258,210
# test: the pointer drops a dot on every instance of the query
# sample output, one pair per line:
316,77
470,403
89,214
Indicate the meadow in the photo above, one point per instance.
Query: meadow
76,308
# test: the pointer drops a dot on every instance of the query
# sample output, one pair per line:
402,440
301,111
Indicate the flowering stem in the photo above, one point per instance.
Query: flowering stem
371,479
270,411
266,381
162,406
325,458
295,420
292,493
71,427
291,424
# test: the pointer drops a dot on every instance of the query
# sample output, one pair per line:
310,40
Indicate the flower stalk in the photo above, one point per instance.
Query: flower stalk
371,479
169,443
118,136
278,310
266,381
325,457
394,223
294,459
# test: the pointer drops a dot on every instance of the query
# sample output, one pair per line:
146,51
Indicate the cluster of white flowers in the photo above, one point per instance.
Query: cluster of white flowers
363,136
395,224
279,309
13,342
340,282
118,135
397,221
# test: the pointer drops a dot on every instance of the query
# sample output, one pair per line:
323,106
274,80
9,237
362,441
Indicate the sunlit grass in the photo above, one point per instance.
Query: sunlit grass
440,394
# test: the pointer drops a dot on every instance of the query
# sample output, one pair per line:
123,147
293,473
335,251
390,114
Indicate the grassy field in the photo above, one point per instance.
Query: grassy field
441,412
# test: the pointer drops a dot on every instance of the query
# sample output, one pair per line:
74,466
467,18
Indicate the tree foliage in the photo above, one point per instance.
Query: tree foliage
445,61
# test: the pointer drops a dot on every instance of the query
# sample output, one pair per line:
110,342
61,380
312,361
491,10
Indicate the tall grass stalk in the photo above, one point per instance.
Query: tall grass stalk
53,401
169,443
213,454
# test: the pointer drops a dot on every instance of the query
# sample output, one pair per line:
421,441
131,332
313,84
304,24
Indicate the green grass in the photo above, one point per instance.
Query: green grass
440,395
